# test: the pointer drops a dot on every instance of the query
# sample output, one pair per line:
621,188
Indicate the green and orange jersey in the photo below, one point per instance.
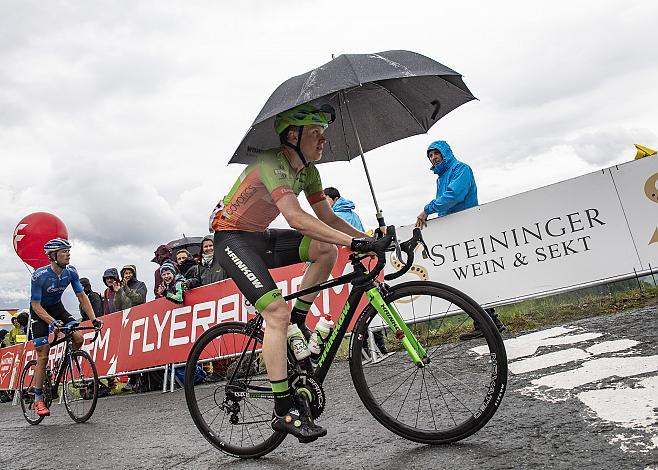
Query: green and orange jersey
251,204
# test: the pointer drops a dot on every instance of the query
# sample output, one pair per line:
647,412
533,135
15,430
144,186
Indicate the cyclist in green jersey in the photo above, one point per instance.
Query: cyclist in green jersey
247,249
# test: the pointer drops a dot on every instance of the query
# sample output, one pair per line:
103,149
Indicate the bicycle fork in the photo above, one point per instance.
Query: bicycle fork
389,313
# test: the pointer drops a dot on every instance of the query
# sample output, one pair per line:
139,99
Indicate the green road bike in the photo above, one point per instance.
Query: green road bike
75,371
433,389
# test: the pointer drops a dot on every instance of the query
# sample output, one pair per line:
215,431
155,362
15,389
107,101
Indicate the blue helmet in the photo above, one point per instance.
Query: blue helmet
55,245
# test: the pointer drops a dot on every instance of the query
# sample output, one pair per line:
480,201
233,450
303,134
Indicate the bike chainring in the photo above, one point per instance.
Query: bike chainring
311,388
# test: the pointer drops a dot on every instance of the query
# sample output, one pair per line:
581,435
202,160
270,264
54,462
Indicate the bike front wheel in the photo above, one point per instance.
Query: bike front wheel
80,386
234,413
26,394
461,384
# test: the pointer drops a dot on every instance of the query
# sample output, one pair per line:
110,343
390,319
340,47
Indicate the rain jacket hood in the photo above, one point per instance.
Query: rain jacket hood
446,152
111,272
132,267
162,253
344,208
134,293
455,187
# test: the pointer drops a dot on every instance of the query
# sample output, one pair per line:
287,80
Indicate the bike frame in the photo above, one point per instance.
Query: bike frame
68,356
388,312
62,365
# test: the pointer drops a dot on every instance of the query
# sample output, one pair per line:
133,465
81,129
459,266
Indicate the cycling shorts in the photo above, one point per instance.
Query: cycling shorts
39,334
247,258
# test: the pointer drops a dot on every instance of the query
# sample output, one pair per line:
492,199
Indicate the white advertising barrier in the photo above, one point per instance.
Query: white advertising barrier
5,318
588,230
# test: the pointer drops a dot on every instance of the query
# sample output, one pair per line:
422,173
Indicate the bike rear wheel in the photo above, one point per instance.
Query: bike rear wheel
461,386
26,394
80,386
235,413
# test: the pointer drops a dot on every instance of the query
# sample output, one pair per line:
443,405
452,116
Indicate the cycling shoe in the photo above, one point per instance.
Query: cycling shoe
42,410
302,427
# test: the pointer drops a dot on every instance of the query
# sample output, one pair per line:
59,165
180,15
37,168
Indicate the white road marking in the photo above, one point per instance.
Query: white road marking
569,355
599,369
527,345
632,407
548,360
612,346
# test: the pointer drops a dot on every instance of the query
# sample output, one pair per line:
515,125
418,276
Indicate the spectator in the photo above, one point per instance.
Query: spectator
344,208
184,261
132,291
111,281
3,333
172,283
94,298
455,191
162,253
209,270
129,293
14,332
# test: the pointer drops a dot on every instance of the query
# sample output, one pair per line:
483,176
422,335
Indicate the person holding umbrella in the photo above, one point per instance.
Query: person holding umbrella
455,191
247,249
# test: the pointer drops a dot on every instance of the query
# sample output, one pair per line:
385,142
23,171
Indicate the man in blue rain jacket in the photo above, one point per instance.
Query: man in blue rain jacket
455,188
455,191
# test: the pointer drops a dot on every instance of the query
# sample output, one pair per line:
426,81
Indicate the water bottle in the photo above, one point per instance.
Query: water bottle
320,334
297,342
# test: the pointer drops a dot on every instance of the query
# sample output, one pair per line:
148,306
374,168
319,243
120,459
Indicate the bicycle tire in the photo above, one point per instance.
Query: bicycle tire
225,334
77,380
27,397
492,375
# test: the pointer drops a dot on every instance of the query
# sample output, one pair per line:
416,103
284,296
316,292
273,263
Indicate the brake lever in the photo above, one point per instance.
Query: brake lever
398,252
426,252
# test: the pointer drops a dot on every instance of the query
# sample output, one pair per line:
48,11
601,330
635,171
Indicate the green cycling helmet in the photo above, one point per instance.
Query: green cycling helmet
304,115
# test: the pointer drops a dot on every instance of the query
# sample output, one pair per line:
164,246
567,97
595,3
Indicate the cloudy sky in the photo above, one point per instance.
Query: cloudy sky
119,117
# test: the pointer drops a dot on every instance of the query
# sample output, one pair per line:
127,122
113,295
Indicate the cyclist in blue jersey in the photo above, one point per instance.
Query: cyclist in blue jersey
48,285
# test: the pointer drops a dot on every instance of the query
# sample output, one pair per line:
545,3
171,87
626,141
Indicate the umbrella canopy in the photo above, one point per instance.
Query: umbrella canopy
388,96
191,244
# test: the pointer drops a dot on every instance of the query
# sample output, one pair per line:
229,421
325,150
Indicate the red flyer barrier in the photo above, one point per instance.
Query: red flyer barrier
161,332
10,366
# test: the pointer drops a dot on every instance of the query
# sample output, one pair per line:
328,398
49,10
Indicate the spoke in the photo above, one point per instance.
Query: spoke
458,380
443,398
406,395
427,391
398,387
258,408
210,409
454,396
410,368
206,397
257,427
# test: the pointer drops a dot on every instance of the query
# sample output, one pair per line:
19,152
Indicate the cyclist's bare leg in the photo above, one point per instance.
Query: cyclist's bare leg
40,369
277,317
77,339
323,258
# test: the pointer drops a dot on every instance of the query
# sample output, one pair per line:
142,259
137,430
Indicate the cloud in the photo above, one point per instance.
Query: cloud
119,117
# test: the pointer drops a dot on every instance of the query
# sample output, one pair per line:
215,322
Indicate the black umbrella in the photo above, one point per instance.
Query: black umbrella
191,244
389,95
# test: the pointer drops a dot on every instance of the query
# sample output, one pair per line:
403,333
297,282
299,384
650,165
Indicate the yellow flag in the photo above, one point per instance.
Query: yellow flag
643,152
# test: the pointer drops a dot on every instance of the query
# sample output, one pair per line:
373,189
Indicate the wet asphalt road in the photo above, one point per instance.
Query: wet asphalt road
155,430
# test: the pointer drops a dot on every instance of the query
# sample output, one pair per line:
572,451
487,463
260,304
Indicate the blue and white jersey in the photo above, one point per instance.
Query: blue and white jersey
48,288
